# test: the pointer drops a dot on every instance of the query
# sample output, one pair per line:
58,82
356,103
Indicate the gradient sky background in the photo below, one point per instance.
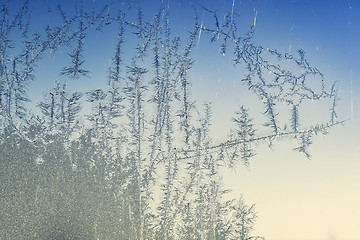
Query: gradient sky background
296,198
319,198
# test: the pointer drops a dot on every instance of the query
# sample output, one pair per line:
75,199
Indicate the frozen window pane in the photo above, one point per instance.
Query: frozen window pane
142,119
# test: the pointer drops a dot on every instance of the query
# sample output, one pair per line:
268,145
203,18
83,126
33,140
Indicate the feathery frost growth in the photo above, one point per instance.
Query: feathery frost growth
136,159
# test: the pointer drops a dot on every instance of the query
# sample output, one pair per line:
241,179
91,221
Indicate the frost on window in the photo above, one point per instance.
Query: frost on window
119,147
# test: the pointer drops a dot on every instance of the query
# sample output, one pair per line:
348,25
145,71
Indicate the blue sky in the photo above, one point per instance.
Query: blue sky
296,198
317,199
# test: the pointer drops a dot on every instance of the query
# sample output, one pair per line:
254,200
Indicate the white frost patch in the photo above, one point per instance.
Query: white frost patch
39,160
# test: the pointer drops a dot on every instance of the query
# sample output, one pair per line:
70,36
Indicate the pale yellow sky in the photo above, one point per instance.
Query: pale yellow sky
315,199
297,198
